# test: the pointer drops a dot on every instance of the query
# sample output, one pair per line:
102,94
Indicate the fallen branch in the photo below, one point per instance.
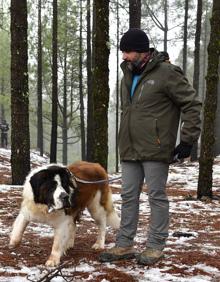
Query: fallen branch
56,272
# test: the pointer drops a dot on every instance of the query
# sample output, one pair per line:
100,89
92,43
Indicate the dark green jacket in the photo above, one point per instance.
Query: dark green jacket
149,122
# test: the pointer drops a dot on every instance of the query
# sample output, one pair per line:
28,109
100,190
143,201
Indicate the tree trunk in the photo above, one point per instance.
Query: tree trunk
2,110
217,123
196,74
53,142
117,95
64,110
20,136
134,13
90,131
204,55
165,24
40,143
82,118
208,137
185,35
100,76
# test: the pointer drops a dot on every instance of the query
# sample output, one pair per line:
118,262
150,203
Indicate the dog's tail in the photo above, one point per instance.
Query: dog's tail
113,219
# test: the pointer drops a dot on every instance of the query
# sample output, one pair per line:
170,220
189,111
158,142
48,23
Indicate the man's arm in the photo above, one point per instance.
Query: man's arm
185,97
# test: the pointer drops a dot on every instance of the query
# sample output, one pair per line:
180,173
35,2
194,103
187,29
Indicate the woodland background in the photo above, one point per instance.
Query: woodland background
60,74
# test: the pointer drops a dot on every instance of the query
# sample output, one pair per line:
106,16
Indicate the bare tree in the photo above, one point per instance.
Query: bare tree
196,73
204,50
165,24
185,35
20,136
100,76
82,117
134,13
53,142
64,108
157,22
117,93
40,144
90,131
208,137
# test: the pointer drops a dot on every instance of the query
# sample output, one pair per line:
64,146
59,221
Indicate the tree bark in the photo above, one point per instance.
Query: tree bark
2,109
204,55
134,13
185,35
64,110
40,143
208,134
100,77
196,74
20,136
82,117
165,25
90,126
117,95
53,142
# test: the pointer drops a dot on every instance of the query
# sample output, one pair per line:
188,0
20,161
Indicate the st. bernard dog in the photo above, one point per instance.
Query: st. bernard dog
52,196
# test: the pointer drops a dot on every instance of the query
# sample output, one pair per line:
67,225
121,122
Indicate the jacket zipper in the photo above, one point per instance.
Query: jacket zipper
141,91
157,134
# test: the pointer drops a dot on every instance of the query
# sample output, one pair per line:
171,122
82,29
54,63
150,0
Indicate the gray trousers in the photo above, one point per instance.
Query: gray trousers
133,175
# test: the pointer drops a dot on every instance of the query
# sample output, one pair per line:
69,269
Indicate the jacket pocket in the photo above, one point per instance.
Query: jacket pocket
157,133
123,135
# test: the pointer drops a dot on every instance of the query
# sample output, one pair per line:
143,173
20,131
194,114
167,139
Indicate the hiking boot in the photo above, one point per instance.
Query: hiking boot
117,253
149,256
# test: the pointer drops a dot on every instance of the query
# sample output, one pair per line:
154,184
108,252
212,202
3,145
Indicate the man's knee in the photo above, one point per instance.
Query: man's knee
158,195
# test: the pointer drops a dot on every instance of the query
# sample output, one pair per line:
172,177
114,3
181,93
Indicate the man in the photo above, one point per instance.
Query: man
153,94
4,134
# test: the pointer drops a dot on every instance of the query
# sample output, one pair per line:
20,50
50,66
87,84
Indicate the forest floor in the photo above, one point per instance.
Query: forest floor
192,253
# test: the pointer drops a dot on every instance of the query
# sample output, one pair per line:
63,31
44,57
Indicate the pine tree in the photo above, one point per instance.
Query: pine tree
53,142
135,13
208,137
20,137
39,85
100,78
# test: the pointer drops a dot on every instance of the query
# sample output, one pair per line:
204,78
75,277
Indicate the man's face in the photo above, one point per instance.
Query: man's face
133,57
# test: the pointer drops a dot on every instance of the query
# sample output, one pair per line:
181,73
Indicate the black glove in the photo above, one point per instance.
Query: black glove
182,151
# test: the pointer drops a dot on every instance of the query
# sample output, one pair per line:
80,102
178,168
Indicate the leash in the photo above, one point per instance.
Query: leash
77,179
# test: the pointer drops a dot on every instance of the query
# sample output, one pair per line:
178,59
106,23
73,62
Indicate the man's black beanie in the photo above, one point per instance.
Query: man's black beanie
136,40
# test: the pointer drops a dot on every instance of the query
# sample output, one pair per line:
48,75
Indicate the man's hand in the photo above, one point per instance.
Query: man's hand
182,151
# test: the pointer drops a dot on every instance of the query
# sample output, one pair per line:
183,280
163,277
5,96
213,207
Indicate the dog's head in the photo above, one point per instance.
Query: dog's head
53,187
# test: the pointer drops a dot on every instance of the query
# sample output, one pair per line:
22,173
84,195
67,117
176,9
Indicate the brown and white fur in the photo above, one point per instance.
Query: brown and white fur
50,197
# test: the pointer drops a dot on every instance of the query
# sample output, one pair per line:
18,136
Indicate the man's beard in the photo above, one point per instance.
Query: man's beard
138,65
135,67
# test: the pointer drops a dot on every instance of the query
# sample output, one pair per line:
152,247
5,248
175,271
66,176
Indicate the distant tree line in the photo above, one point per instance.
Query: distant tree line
59,73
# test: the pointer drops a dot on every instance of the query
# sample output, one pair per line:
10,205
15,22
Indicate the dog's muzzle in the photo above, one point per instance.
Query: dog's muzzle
64,197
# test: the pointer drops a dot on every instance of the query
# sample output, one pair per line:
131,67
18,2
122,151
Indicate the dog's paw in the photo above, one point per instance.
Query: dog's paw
52,261
70,244
98,246
14,244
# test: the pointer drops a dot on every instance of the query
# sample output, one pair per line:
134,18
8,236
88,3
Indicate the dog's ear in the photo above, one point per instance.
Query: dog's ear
37,181
70,179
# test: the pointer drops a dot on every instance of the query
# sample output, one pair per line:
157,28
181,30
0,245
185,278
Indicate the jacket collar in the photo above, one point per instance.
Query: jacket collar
155,59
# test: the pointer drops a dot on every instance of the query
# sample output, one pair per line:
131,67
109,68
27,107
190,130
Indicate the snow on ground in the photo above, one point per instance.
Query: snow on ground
192,253
35,158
